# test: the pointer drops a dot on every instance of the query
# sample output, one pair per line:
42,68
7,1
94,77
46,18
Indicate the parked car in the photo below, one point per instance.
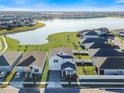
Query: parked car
18,74
2,74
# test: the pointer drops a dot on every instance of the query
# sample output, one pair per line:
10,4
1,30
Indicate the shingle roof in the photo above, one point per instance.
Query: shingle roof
106,52
91,33
33,58
68,64
89,40
55,51
8,58
110,63
100,45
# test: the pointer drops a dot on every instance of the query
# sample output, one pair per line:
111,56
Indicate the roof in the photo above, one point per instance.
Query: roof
91,33
89,40
109,63
106,52
8,58
100,45
68,64
55,51
33,58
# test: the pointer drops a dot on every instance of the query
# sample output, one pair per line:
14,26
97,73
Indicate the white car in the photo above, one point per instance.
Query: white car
18,74
2,74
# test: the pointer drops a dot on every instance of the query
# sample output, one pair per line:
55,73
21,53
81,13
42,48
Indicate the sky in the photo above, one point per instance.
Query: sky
62,5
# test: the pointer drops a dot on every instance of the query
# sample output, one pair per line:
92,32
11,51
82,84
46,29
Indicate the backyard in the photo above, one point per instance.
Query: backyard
65,39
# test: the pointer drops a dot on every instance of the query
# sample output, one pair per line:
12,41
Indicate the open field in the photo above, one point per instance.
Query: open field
65,39
21,29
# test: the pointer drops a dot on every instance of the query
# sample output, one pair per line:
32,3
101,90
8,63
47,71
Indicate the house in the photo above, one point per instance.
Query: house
58,56
109,66
61,59
102,31
105,52
89,40
9,59
95,45
32,62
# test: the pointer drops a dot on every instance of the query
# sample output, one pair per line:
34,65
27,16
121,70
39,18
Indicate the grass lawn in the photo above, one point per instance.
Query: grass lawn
45,73
80,70
83,57
86,70
21,29
64,39
89,70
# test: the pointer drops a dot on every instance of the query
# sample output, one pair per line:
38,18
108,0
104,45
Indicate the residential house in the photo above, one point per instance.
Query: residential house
32,62
105,52
102,31
9,59
95,45
61,59
89,40
109,66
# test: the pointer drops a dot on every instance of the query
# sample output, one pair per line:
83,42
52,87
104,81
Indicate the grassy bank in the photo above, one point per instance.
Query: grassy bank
65,39
21,29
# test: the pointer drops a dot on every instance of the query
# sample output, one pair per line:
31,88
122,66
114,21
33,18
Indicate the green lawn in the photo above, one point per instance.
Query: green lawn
86,70
45,72
65,39
80,70
89,70
82,57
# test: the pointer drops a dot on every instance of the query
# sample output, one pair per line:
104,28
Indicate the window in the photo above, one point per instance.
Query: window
56,61
36,70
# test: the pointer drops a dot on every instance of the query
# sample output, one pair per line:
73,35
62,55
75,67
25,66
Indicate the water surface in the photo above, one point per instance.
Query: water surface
39,36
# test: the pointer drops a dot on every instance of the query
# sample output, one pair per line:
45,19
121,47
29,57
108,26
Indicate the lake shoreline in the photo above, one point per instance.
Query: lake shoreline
22,29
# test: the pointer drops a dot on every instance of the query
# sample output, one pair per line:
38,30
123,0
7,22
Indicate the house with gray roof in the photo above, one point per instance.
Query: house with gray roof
109,66
105,52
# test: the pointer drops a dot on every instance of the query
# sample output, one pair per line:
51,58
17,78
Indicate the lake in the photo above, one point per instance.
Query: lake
39,36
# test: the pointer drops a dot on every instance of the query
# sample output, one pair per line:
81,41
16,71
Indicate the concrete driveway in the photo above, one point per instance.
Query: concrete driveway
54,79
18,82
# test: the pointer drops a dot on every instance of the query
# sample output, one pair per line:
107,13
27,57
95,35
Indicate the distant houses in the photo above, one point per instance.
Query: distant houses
106,56
15,21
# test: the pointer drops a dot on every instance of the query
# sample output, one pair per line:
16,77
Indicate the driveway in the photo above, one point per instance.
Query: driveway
3,78
54,79
18,82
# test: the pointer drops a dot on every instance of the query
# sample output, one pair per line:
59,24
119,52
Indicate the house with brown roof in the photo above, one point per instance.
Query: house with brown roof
9,59
32,62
